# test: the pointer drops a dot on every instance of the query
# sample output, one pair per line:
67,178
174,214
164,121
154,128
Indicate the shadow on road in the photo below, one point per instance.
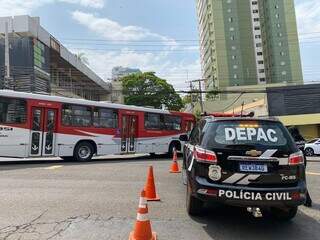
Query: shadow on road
24,164
227,222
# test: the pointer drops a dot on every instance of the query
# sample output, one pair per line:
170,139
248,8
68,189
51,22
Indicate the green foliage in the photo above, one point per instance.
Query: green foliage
146,89
186,100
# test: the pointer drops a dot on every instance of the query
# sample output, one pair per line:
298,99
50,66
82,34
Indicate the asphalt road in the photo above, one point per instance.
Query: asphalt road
98,200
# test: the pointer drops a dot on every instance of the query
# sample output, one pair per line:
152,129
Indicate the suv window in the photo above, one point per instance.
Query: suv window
263,134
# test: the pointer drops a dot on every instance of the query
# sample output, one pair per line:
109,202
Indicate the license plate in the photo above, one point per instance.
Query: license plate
253,168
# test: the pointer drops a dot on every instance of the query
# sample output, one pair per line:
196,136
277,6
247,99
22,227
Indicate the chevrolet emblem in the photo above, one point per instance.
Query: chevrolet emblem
253,153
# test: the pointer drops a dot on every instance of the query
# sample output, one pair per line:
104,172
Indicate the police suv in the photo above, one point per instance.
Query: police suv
246,162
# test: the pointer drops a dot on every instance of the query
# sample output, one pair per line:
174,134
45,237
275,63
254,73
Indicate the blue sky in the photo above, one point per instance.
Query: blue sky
157,35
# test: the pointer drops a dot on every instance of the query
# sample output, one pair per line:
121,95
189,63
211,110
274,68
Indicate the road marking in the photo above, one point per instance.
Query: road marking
53,167
313,173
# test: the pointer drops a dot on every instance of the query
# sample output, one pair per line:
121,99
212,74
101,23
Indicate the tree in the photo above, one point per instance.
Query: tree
82,57
146,89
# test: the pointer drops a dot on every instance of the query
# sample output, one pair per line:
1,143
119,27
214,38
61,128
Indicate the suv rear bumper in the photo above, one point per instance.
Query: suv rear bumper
248,196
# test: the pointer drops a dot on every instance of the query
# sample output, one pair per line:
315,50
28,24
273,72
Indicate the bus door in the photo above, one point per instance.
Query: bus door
43,132
129,132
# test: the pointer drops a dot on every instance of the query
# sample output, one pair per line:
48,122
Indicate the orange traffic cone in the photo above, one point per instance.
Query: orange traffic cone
150,187
142,229
175,166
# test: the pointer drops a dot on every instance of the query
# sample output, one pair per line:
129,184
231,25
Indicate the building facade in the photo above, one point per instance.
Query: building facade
118,73
297,106
39,63
248,42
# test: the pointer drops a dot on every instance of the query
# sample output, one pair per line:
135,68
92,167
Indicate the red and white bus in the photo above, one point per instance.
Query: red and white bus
34,125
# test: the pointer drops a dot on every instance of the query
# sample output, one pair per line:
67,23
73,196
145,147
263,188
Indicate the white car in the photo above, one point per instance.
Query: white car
312,147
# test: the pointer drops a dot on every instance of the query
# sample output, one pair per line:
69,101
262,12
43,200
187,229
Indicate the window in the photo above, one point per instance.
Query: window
230,19
255,3
262,79
13,110
261,70
172,122
152,121
234,57
284,73
257,28
283,63
255,11
258,44
282,53
235,66
231,29
260,62
105,118
257,36
256,19
259,53
75,115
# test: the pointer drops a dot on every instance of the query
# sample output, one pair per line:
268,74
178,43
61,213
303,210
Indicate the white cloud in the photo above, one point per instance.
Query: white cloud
162,61
176,72
308,18
86,3
19,7
112,30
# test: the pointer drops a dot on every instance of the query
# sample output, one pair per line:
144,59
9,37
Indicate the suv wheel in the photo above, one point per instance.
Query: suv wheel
83,152
194,205
284,214
309,152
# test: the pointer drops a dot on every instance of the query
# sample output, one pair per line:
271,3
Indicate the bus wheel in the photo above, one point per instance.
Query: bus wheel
83,152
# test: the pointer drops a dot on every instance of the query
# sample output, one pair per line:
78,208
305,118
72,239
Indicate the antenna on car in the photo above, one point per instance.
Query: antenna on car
242,106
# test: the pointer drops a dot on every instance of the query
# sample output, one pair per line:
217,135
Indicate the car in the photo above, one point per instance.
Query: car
245,162
312,147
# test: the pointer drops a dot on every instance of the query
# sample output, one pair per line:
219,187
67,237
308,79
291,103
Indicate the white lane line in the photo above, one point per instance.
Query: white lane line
53,167
313,173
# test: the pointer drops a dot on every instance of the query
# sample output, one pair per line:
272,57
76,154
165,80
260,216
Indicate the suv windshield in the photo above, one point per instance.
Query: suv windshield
261,134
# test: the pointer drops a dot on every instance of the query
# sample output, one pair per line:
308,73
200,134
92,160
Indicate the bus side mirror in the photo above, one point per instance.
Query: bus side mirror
184,138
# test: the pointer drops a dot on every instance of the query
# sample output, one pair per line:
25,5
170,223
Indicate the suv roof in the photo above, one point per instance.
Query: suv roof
271,119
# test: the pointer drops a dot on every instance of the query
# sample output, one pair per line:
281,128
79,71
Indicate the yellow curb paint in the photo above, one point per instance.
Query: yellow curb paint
313,173
53,167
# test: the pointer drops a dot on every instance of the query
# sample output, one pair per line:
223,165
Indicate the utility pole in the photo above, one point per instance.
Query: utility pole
200,91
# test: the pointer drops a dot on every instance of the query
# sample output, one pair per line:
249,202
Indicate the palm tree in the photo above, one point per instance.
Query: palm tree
82,57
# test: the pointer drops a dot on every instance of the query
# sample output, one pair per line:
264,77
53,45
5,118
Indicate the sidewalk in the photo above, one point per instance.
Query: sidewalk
314,159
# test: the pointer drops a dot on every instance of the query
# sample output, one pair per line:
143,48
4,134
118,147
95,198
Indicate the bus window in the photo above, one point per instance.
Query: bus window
152,121
74,115
12,111
105,118
172,122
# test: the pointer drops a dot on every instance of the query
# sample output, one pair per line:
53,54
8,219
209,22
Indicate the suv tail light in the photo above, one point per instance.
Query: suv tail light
205,156
296,159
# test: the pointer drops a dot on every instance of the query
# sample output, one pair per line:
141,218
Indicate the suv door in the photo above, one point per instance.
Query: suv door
195,139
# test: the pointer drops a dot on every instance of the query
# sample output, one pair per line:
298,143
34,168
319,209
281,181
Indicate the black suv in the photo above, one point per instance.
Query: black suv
246,162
